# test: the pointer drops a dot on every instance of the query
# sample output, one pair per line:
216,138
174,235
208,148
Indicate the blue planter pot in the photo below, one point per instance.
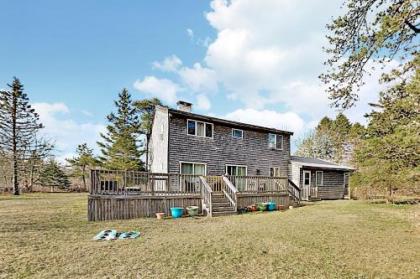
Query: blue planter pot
271,206
177,212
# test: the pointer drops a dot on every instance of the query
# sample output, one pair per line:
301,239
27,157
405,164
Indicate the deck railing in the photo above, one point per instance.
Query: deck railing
106,182
115,182
259,184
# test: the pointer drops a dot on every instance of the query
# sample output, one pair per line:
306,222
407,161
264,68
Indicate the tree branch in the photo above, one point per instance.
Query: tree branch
412,27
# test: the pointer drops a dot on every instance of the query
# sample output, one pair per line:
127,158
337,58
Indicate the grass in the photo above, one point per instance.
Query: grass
47,236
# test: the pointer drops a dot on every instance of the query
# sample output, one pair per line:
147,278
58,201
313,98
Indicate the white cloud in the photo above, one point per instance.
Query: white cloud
268,53
63,130
190,33
203,102
199,79
169,64
267,46
268,118
163,89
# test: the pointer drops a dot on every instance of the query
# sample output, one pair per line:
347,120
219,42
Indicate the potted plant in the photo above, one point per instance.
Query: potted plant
271,206
177,212
192,210
281,207
262,206
252,208
160,215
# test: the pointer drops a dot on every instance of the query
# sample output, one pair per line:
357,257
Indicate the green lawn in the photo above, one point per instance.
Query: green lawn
47,235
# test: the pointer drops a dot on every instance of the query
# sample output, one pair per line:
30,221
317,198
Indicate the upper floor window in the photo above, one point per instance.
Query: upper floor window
237,134
275,141
199,129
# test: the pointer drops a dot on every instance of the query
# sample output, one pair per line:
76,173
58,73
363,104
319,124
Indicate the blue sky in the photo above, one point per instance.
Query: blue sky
255,61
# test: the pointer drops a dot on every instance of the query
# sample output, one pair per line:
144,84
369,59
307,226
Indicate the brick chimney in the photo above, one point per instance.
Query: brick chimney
184,106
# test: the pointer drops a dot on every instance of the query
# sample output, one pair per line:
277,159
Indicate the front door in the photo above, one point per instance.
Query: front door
306,185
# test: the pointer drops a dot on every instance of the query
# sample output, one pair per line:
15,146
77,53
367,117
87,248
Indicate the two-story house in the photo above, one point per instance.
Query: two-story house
219,165
188,143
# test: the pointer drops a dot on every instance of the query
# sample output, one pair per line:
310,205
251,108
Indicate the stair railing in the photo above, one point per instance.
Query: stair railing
206,194
230,192
294,191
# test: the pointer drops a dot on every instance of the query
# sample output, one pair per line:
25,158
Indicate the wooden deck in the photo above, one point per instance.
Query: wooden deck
126,195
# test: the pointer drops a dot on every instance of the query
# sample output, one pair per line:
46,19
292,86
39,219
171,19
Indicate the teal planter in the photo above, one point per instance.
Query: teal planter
177,212
271,206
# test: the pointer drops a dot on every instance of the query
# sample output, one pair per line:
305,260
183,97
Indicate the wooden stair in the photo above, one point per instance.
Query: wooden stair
221,205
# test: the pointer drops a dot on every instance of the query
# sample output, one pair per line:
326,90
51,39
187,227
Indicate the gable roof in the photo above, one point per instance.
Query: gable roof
226,122
317,163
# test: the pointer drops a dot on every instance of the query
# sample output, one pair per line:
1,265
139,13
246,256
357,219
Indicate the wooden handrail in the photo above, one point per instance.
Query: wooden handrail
206,185
229,198
207,196
230,184
230,192
293,188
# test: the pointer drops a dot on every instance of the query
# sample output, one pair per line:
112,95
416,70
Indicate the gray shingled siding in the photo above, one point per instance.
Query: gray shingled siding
251,151
333,183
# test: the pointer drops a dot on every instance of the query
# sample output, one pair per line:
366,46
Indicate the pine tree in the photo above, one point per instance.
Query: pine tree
53,175
388,157
19,124
369,32
332,140
146,109
119,146
41,151
82,162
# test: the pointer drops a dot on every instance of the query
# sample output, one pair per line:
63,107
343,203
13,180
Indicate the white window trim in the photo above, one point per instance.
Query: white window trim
275,143
322,180
196,130
233,130
193,163
241,166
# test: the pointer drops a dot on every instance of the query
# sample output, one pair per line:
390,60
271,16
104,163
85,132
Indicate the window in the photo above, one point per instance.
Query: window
319,178
191,127
275,141
209,130
193,168
306,178
191,183
272,139
275,172
236,170
279,142
199,129
237,134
